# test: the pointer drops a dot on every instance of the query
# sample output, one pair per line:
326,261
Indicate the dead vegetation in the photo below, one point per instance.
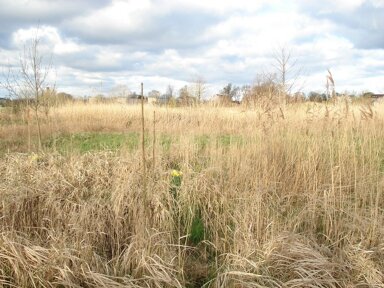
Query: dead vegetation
287,197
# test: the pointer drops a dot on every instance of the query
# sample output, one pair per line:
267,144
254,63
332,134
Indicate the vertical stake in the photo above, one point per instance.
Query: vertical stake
142,141
154,140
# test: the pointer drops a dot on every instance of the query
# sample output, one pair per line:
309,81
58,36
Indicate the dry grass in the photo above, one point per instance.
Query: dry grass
286,198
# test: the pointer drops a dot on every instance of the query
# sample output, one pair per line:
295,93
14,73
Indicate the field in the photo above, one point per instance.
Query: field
223,197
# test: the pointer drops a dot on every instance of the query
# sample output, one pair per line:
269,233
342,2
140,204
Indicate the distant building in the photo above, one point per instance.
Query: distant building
377,98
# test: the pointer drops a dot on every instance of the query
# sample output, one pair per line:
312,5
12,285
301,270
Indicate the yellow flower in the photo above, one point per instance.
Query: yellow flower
34,157
176,173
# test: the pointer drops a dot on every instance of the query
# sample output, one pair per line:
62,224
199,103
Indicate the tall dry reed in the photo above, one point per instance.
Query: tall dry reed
236,199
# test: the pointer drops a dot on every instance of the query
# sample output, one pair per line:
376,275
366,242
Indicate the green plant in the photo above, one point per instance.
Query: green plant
166,142
87,142
202,141
197,229
176,178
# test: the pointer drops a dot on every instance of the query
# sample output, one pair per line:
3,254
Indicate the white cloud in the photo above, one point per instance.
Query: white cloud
333,49
377,3
107,58
8,58
165,42
49,38
330,6
219,6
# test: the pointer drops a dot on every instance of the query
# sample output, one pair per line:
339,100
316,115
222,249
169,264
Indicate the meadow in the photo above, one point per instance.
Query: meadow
222,197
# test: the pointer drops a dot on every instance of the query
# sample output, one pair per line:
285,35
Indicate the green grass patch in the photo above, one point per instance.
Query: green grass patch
381,163
166,142
226,140
223,140
86,142
132,140
202,141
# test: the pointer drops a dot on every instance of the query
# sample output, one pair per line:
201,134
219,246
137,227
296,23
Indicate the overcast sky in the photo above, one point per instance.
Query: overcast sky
99,44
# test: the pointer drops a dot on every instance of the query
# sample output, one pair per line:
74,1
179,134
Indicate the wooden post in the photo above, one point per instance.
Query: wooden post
144,214
154,140
143,140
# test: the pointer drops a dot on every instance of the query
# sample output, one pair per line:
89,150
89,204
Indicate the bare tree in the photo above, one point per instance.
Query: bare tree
199,87
154,94
287,72
169,95
170,91
330,85
120,90
29,82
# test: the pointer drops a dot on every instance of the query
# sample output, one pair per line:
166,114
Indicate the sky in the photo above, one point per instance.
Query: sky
97,45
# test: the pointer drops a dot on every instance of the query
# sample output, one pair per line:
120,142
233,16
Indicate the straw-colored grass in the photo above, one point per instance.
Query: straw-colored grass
277,198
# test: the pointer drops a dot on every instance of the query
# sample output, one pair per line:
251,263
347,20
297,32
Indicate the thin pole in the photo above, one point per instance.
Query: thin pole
142,132
144,176
154,140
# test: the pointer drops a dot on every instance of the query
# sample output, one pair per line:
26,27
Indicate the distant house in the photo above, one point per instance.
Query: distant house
375,97
136,99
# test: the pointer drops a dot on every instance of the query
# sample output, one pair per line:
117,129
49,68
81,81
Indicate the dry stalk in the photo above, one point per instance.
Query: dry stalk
290,203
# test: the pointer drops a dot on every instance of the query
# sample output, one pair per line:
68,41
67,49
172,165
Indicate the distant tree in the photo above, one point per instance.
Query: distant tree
367,94
245,89
199,87
154,94
263,92
185,96
100,98
30,79
230,92
170,91
183,92
120,90
63,97
317,97
288,73
134,95
364,97
297,97
168,97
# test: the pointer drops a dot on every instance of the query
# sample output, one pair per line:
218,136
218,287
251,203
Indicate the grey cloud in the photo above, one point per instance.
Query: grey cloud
363,26
47,11
5,39
175,29
18,14
87,62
